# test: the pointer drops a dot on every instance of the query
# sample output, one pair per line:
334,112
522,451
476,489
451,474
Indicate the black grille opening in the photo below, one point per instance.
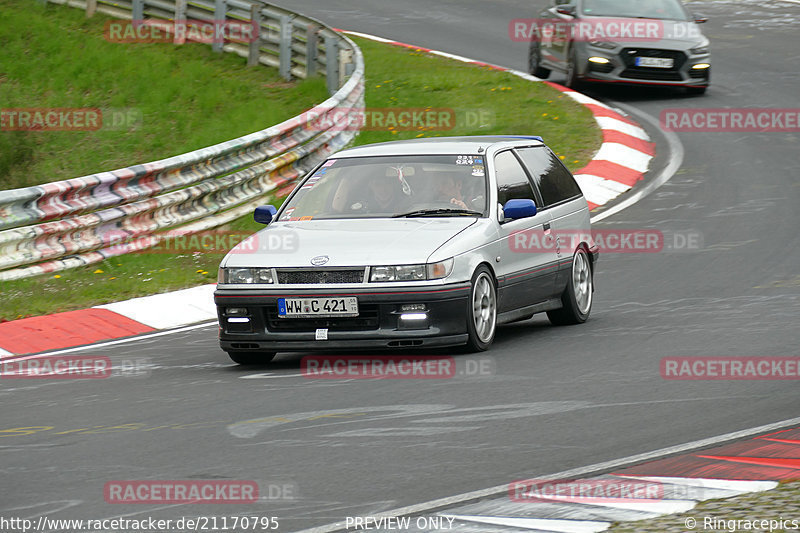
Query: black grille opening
699,74
641,74
368,318
632,71
604,68
323,276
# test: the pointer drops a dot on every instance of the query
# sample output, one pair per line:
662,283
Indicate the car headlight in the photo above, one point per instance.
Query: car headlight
699,51
603,44
420,272
245,275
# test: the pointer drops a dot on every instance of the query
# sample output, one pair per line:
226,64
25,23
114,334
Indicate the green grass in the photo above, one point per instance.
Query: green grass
396,77
184,97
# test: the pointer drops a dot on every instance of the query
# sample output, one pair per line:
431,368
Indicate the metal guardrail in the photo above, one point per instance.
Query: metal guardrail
85,220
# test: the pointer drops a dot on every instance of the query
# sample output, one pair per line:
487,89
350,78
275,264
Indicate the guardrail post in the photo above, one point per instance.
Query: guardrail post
137,8
180,22
91,7
285,47
255,43
332,63
312,44
347,66
220,12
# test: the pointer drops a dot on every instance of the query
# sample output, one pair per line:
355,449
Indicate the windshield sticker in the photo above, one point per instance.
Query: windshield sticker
329,163
288,214
468,160
477,171
307,217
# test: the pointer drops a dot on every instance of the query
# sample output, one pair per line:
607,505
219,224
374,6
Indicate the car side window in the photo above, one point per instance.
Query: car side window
554,181
512,182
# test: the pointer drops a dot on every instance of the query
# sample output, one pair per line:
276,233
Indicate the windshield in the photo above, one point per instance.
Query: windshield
652,9
390,186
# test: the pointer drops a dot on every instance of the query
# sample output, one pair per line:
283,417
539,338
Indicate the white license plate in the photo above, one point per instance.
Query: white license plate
314,307
656,62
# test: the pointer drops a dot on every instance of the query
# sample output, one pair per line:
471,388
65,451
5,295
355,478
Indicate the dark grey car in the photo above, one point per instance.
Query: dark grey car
651,42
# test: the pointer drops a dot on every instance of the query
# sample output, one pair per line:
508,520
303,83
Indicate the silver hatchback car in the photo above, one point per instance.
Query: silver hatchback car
651,42
422,243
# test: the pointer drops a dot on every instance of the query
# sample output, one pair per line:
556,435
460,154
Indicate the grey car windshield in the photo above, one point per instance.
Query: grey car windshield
652,9
392,186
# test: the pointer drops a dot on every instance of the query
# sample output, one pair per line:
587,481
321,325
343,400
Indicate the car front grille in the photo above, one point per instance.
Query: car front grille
320,276
629,55
367,319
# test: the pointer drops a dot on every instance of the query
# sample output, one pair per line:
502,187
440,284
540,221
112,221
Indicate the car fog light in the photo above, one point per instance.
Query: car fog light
414,316
599,60
701,66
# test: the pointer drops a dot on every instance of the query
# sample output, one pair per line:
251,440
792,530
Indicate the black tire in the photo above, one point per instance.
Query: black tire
577,301
696,90
572,80
483,296
251,358
534,61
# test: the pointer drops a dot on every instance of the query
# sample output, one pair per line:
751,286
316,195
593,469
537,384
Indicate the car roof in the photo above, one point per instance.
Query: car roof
476,144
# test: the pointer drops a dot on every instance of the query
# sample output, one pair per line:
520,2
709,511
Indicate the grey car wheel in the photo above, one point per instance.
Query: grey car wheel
534,61
578,295
482,312
572,70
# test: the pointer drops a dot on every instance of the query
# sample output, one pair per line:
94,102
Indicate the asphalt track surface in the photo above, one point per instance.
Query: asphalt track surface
559,398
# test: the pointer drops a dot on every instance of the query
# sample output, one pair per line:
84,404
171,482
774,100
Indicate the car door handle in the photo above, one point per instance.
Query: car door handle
546,227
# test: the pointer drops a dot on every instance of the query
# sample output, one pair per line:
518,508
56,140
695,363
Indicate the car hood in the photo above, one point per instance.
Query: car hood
674,34
347,242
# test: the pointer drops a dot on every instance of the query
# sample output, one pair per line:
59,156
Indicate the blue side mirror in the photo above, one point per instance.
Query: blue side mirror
519,208
264,214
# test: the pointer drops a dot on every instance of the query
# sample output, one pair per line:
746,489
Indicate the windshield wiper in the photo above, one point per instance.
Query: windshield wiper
443,211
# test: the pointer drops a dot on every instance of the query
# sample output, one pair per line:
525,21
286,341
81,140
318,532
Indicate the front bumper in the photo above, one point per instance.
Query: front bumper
379,324
621,68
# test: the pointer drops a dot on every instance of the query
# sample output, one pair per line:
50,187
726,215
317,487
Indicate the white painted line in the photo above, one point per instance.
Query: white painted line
586,100
539,524
624,156
567,474
368,36
597,181
653,506
169,309
608,123
453,56
736,485
269,375
523,75
595,191
675,162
